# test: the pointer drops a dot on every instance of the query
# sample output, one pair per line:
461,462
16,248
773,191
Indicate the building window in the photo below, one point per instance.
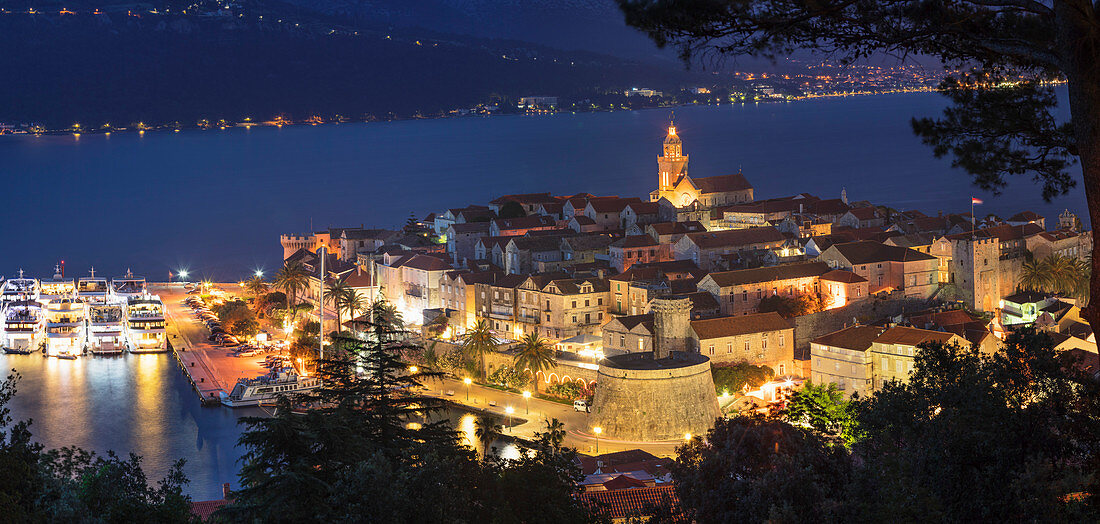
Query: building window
586,302
574,304
599,301
745,296
747,346
641,344
782,370
711,348
763,342
781,340
622,341
729,347
574,319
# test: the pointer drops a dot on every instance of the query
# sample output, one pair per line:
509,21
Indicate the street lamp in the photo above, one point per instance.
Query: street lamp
509,410
413,369
597,430
259,273
687,437
467,381
527,399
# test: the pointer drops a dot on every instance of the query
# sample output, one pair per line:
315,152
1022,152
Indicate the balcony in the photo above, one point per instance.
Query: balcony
500,312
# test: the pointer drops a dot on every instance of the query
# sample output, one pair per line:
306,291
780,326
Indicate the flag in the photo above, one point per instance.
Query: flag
974,200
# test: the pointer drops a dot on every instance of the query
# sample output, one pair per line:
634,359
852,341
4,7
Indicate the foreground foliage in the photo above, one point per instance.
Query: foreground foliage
365,449
971,437
73,485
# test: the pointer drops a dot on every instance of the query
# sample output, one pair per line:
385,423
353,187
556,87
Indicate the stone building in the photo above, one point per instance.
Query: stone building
658,395
462,239
740,292
707,248
893,352
628,334
886,268
760,339
844,358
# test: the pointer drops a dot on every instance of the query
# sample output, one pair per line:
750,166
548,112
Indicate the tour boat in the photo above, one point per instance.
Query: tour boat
65,329
93,289
106,330
145,324
128,286
24,325
18,289
268,388
57,287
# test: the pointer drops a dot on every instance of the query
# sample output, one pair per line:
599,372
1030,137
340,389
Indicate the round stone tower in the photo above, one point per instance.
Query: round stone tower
671,325
660,395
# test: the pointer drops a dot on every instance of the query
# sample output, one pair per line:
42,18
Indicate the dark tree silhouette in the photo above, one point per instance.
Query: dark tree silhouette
1002,120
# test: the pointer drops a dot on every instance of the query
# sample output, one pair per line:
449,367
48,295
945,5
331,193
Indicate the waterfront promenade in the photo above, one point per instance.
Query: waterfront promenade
211,369
577,423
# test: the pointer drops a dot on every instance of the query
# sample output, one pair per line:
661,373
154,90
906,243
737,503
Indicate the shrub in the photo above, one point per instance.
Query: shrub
733,378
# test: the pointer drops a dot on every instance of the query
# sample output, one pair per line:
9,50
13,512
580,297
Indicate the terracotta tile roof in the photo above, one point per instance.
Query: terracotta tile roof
864,213
770,273
572,286
736,237
584,221
636,502
489,242
510,281
1059,234
869,251
1025,216
700,300
1002,232
644,208
482,277
629,322
634,241
771,205
426,263
470,227
840,275
739,325
722,183
526,222
358,278
857,338
675,228
832,206
588,242
623,482
912,240
536,243
203,509
910,336
942,318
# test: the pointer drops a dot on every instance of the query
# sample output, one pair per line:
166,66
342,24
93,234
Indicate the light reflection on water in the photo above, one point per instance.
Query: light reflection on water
143,404
131,403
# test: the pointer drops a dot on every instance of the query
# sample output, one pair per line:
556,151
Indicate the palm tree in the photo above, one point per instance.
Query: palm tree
1033,276
486,429
477,342
292,279
333,295
535,354
349,301
256,286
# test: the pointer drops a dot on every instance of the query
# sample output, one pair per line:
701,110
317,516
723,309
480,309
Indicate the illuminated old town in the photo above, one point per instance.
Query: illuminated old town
602,261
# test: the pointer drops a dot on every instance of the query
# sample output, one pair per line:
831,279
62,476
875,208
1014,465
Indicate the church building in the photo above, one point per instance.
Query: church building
683,191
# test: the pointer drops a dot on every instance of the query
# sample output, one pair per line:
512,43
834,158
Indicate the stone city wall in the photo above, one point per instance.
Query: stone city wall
873,309
655,404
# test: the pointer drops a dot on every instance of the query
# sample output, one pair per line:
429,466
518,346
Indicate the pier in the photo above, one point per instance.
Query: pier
210,368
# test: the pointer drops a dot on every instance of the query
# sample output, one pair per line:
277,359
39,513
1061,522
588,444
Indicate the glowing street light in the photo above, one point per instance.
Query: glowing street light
467,381
597,430
687,436
183,273
509,410
527,399
413,369
259,273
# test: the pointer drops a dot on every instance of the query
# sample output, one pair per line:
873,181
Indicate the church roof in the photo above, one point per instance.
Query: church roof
722,183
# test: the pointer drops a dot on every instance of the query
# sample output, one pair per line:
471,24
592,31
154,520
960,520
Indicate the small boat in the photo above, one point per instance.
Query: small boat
268,388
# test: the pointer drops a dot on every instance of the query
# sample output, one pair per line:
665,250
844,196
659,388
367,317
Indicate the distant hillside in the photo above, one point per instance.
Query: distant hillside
593,25
122,69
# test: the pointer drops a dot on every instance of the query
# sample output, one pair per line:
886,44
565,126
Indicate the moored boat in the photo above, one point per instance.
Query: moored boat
268,388
145,328
24,326
65,328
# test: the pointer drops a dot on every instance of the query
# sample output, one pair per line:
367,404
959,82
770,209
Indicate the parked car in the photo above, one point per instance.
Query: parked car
580,405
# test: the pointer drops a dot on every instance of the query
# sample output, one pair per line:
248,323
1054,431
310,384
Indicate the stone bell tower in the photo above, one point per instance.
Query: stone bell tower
671,164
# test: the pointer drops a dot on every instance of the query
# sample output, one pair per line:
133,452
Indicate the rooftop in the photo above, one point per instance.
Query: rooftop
739,325
857,338
645,361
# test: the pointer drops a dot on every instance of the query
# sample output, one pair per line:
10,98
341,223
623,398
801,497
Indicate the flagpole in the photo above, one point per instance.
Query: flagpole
973,228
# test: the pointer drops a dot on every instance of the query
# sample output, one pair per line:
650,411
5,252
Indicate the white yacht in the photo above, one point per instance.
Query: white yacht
24,326
65,329
145,324
268,388
128,286
17,289
106,329
56,287
93,289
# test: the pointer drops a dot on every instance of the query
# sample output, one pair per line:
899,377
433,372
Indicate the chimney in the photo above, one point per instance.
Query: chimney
226,492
